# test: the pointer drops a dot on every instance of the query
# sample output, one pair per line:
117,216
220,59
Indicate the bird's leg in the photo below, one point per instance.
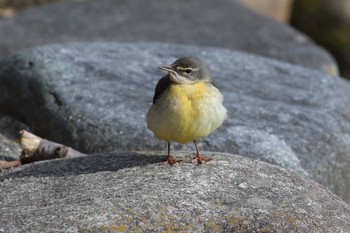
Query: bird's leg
197,157
170,160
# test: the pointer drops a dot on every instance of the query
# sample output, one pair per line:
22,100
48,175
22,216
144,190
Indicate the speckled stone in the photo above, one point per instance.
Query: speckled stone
133,192
9,129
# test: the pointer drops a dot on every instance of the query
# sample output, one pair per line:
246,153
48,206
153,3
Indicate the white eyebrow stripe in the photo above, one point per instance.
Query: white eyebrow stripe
185,68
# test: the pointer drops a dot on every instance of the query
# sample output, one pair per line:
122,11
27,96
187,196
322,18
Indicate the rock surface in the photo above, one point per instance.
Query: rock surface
198,22
94,97
9,129
135,191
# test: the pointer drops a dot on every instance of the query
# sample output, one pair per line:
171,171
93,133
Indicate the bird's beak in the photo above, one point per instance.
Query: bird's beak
173,75
166,68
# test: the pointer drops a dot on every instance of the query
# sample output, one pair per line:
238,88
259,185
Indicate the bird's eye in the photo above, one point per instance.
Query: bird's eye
188,71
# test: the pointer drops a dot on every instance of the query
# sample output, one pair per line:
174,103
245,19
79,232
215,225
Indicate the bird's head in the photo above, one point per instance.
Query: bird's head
188,70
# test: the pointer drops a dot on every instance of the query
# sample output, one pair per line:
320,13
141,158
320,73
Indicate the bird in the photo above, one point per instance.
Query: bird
187,106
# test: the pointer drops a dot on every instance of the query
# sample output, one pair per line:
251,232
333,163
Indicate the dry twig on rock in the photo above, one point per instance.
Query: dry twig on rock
36,149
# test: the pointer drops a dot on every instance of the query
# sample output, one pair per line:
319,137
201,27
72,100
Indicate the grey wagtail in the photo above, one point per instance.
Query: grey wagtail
186,105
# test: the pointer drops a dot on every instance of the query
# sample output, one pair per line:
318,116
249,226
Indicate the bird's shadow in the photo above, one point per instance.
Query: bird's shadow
84,165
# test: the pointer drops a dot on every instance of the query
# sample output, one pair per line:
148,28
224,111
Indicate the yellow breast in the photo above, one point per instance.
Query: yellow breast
186,112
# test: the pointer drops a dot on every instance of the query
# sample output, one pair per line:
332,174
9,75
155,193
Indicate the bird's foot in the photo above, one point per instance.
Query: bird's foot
200,160
171,161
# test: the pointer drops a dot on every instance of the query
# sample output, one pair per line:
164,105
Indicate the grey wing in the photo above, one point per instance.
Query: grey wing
163,84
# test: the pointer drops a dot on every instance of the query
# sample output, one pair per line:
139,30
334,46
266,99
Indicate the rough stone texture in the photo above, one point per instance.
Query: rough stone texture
9,129
135,191
94,97
197,22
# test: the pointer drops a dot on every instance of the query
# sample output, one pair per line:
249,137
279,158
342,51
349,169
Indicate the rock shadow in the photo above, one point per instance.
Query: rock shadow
84,165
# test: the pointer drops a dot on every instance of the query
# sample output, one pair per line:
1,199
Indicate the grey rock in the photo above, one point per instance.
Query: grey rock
134,192
265,146
9,149
9,129
94,97
198,22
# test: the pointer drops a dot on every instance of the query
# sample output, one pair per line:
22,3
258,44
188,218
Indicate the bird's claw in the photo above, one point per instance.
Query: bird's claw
171,161
200,160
